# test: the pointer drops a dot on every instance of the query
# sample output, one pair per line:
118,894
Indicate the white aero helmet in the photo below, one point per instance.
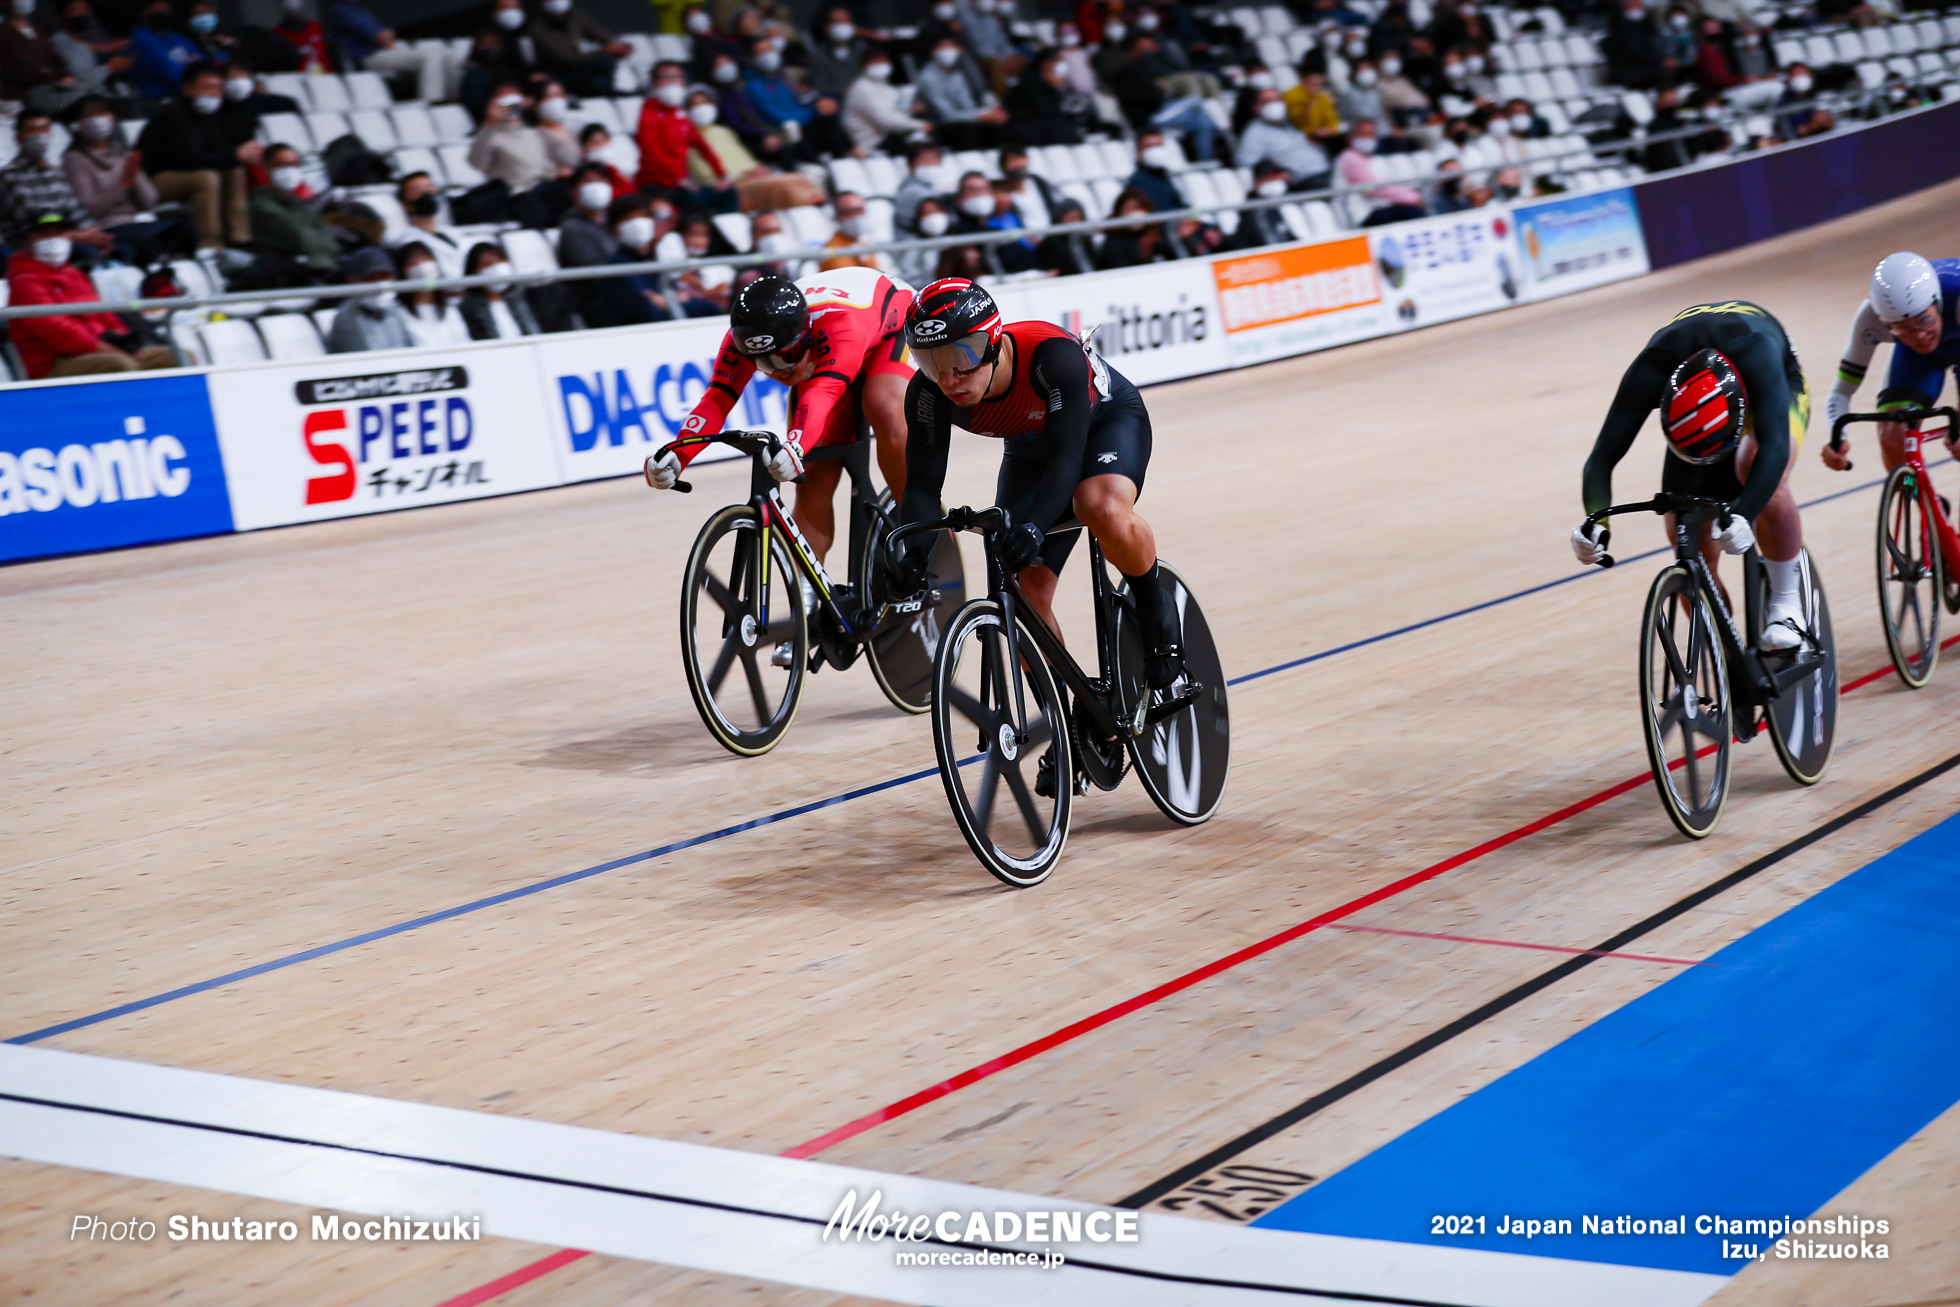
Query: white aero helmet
1904,285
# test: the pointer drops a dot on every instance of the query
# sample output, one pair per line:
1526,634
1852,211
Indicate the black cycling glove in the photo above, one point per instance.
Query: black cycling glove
914,569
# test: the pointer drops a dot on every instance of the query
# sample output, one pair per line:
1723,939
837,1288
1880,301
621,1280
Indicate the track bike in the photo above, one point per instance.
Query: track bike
750,586
1918,550
1704,685
1002,681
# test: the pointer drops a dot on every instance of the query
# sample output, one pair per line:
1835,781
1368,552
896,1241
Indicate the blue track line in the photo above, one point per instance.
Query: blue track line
539,887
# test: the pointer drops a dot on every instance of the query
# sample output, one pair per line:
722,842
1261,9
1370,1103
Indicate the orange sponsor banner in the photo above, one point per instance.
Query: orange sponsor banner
1299,281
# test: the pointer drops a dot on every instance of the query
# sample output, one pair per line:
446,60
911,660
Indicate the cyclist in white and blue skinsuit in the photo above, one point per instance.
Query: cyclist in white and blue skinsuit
1915,303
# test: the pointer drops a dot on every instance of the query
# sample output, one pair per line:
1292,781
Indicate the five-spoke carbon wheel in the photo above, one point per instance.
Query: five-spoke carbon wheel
1909,581
1803,718
1010,717
1183,761
744,641
1684,698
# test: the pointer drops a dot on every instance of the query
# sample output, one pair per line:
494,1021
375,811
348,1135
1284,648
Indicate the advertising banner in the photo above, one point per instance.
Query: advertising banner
98,466
1584,240
1155,323
1298,298
371,433
616,396
1436,269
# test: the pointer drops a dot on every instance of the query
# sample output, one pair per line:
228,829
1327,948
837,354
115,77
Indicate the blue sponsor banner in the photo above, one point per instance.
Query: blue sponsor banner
1580,241
100,465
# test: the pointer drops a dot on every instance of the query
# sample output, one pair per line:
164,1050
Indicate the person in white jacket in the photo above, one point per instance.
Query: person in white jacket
874,109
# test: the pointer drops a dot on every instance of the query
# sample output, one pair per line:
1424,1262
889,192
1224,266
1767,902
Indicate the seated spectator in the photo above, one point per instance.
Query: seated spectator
34,185
774,97
1752,61
964,113
512,151
836,61
1679,47
500,310
669,142
1799,85
1038,104
984,24
1634,57
372,321
304,33
1033,198
1403,99
39,272
1139,90
1393,203
1266,226
1393,29
1362,98
968,261
288,227
107,179
1152,178
247,99
1078,74
708,44
766,236
372,47
924,179
1333,11
1272,136
701,292
1066,254
1525,122
493,61
1311,109
1111,52
576,50
191,157
973,204
1136,244
595,146
1455,193
160,54
850,231
585,238
432,319
876,113
1457,25
825,137
421,201
735,111
1008,256
1245,102
930,219
92,57
758,185
31,70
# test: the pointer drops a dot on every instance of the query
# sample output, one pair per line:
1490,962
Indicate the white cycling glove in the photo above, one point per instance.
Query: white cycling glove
1589,542
786,462
663,470
1738,537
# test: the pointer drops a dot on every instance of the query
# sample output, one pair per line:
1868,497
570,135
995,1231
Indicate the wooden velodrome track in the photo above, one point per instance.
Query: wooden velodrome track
224,752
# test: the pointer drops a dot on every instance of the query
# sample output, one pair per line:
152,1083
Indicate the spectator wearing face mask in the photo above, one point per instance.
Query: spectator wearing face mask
1136,244
758,186
851,230
1112,51
500,310
836,54
1525,123
1066,254
1799,85
1634,57
706,43
1713,69
585,237
91,57
766,236
1679,47
1461,83
1039,108
494,60
701,292
287,227
595,145
40,272
35,184
964,113
305,34
1029,192
432,320
201,24
1362,98
1752,61
1139,89
825,136
190,156
161,54
245,103
1272,136
1460,25
1245,104
1152,178
575,49
930,219
923,178
774,96
371,45
421,201
1078,74
668,137
876,113
512,151
733,108
1266,226
107,179
1311,109
1404,100
1450,195
374,320
1355,167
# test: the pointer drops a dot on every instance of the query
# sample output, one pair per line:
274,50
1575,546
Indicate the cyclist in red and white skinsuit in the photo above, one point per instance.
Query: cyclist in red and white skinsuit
837,341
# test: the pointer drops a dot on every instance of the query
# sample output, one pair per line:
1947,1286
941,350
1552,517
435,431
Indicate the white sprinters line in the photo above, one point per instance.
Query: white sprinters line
712,1209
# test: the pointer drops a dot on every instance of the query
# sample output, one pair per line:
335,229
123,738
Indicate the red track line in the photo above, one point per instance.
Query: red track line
1511,943
1056,1038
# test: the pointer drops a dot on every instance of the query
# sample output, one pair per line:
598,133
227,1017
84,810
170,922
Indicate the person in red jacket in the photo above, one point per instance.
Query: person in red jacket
68,345
306,36
667,135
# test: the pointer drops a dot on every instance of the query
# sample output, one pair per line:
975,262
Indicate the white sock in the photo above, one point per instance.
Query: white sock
1783,585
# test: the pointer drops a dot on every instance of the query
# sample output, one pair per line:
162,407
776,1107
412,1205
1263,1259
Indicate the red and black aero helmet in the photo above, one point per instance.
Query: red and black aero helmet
1706,406
954,324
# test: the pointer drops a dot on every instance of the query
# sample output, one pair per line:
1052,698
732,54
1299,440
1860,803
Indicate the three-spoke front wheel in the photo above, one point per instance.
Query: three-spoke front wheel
1684,698
1909,582
744,640
1010,717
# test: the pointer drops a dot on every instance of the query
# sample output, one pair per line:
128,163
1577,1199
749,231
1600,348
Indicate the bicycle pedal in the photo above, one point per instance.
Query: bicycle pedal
1185,695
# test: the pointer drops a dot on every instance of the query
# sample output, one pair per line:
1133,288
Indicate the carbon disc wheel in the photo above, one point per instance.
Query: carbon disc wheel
901,650
1184,760
1803,718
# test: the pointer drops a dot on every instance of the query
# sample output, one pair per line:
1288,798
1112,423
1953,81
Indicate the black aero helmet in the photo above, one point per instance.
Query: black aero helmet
769,317
954,324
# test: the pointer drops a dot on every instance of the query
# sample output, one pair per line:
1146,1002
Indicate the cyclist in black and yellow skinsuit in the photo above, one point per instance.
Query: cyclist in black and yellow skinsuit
1734,407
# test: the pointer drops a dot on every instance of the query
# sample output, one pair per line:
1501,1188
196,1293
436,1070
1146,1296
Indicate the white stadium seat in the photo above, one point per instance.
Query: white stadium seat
1849,48
231,340
452,122
368,91
375,128
848,174
1818,51
1878,43
809,223
323,320
1787,52
735,229
456,163
414,125
286,129
529,251
290,85
416,159
328,94
326,128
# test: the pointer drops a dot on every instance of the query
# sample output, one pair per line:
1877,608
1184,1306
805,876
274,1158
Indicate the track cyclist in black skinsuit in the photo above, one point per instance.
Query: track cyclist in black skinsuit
1076,439
1734,406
